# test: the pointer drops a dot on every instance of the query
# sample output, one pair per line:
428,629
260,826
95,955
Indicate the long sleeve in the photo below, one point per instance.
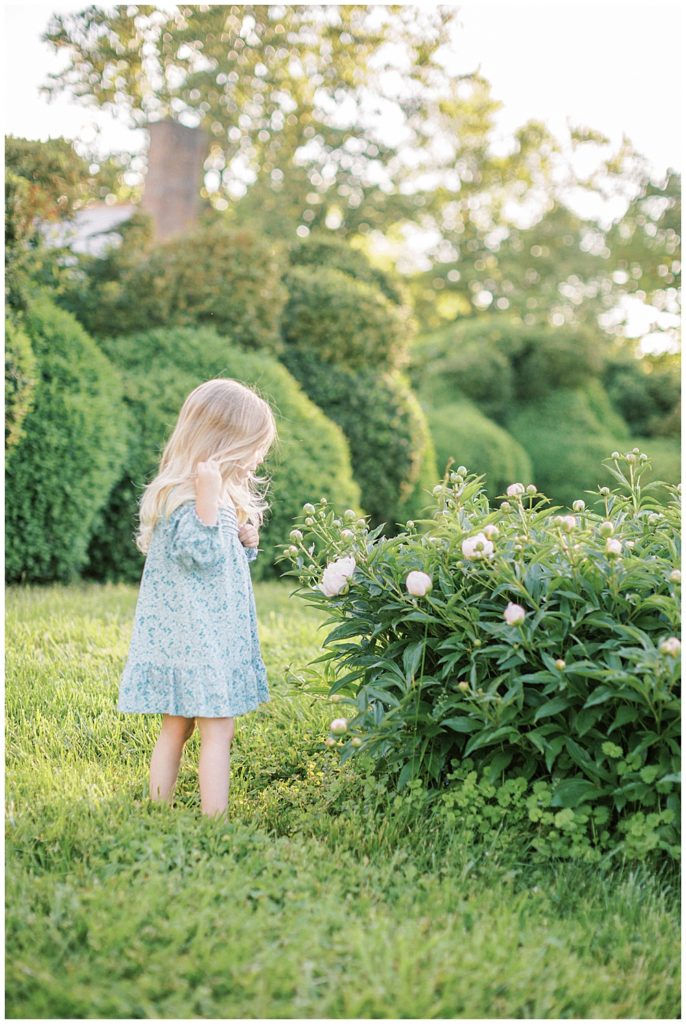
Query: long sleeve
251,554
193,543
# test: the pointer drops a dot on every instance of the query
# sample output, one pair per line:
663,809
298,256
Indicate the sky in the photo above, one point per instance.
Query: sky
610,65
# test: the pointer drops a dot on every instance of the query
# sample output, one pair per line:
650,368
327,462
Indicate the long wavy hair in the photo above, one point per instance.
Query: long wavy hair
224,420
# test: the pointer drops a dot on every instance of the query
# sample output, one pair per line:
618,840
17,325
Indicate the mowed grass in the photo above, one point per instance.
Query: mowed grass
323,895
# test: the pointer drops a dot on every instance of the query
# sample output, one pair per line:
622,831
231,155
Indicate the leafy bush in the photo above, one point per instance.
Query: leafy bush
60,472
159,369
214,276
343,321
496,360
552,655
647,392
565,435
20,381
461,432
321,250
383,423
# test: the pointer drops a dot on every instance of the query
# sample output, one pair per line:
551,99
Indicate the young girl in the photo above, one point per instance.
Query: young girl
194,654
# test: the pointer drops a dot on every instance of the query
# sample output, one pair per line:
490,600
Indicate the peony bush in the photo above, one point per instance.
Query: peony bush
516,641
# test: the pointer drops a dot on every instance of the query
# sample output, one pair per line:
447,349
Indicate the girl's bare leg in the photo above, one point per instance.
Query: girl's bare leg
166,757
215,762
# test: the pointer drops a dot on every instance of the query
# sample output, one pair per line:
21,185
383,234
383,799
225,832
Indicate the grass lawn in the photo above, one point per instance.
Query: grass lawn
323,896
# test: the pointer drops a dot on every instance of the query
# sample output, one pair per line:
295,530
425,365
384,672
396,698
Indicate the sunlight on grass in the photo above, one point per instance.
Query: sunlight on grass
322,896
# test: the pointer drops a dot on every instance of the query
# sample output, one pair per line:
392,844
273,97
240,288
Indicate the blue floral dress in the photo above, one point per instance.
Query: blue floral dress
194,647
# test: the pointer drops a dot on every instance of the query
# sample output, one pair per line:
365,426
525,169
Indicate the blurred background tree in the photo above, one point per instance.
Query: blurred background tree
415,295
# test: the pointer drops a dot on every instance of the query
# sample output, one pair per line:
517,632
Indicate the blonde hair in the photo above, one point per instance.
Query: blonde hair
223,420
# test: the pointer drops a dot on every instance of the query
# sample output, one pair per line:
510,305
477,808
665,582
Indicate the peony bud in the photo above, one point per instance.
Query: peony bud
308,509
296,535
613,546
671,646
579,505
356,741
339,726
531,489
347,534
505,506
418,583
309,521
675,576
514,490
560,664
330,741
491,530
463,685
606,528
615,455
514,614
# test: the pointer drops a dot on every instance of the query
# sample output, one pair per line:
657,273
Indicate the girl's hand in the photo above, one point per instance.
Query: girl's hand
249,536
208,481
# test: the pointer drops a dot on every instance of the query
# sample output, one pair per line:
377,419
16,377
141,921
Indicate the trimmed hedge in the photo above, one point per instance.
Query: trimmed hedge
342,321
73,444
460,430
567,434
159,369
21,376
647,394
320,250
383,423
496,360
214,276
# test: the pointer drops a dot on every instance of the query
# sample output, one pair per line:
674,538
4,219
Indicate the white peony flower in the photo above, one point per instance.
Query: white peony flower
336,575
418,583
477,547
514,613
613,546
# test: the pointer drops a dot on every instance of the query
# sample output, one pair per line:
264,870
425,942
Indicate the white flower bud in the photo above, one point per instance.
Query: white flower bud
514,613
579,505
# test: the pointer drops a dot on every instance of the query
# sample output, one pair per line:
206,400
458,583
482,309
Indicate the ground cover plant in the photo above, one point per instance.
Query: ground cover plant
326,894
535,648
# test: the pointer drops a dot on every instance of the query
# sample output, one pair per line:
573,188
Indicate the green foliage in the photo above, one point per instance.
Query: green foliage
59,473
212,276
208,65
383,424
20,381
56,181
565,435
496,360
159,369
461,432
582,693
328,250
647,392
342,320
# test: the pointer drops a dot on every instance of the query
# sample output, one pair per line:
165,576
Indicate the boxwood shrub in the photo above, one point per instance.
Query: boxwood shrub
215,275
383,423
159,369
70,453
